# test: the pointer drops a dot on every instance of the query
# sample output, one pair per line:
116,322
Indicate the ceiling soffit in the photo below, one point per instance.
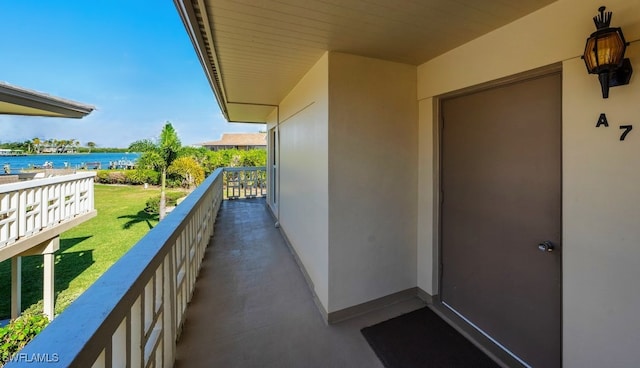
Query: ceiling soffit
254,52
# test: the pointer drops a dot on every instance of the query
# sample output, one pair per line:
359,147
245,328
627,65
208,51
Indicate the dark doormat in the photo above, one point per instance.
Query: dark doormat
422,339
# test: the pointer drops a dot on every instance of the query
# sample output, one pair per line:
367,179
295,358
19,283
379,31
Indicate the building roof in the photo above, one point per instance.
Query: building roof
239,139
254,52
16,100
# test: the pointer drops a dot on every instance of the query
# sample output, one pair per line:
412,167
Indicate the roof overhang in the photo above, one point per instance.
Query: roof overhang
254,52
20,101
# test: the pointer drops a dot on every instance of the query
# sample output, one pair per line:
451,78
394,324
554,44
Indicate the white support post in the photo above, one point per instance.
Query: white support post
48,285
16,287
49,279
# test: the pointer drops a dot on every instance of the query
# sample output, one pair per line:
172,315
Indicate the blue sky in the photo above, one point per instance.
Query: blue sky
130,59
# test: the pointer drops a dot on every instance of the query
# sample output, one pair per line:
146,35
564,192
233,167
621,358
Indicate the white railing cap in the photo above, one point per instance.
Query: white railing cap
12,187
245,168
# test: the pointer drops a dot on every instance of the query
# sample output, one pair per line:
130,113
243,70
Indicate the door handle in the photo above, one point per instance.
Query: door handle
546,246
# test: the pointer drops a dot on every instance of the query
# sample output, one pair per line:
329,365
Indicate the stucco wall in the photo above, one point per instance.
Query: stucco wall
372,179
601,206
347,177
601,225
304,202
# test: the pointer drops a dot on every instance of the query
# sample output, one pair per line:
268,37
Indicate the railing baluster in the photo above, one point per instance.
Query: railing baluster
119,346
22,212
245,182
136,315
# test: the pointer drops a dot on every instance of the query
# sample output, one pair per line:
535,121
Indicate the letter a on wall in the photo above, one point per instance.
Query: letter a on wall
602,120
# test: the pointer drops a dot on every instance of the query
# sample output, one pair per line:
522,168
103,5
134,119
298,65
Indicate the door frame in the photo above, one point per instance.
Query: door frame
272,165
459,322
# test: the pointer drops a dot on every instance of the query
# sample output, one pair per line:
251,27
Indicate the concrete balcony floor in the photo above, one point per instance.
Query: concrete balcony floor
252,308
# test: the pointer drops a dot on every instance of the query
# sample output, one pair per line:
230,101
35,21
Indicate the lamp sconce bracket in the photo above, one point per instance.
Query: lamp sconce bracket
622,75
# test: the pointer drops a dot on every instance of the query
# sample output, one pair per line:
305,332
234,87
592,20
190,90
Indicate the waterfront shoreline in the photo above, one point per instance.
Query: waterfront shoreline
74,161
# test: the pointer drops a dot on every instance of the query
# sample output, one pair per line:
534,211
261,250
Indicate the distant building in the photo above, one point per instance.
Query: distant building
241,141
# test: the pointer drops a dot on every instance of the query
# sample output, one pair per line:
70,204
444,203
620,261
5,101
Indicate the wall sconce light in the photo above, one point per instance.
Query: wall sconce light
604,54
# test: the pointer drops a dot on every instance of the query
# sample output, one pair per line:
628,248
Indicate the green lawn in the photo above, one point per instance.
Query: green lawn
87,250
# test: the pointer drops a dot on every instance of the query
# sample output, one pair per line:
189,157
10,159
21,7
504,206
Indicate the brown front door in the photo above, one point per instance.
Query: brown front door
501,201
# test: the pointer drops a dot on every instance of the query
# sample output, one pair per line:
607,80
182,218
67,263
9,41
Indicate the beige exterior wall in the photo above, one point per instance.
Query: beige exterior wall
303,198
347,177
601,228
601,207
372,179
367,227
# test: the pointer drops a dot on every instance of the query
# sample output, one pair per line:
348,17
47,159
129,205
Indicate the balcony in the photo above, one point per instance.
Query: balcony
258,309
33,214
149,309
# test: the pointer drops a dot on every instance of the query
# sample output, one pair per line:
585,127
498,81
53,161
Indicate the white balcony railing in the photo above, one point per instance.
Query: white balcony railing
245,182
28,207
131,316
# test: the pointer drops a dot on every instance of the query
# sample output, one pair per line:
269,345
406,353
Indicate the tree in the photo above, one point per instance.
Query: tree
200,155
253,157
189,170
47,145
61,145
160,156
36,143
27,145
91,146
142,145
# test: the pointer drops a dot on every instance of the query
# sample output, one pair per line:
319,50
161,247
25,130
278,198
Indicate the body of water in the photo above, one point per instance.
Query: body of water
63,160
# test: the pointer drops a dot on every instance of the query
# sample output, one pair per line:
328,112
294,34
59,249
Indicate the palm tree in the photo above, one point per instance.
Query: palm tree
27,145
47,145
159,157
66,145
36,143
54,144
72,144
91,146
